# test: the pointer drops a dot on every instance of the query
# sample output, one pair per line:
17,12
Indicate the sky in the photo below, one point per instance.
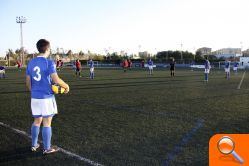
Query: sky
125,25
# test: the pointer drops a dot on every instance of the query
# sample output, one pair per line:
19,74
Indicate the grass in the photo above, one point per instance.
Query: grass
128,118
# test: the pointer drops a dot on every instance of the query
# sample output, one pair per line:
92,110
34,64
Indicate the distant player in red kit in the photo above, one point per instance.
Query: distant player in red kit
61,64
125,65
142,64
78,67
58,65
19,65
129,64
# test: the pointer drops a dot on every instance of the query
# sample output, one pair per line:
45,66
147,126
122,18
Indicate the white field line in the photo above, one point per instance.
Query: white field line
242,79
71,154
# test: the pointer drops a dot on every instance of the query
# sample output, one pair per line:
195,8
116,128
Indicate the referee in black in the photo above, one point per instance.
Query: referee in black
172,68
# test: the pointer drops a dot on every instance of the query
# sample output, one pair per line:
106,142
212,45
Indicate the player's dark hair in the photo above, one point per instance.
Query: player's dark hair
42,45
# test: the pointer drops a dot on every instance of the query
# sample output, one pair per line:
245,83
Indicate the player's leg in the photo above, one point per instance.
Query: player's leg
47,135
48,111
226,74
90,74
76,72
35,130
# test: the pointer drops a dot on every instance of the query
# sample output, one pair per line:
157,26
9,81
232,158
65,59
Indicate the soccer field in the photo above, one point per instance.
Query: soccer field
128,118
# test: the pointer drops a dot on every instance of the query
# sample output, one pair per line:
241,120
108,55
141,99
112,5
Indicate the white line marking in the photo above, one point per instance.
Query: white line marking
71,154
185,139
242,79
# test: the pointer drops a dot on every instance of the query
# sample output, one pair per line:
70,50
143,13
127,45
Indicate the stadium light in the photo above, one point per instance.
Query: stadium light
181,54
21,20
241,47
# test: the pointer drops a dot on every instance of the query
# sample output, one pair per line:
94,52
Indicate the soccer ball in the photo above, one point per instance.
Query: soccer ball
58,89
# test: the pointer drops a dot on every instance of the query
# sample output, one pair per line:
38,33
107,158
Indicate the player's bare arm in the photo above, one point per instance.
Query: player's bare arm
56,79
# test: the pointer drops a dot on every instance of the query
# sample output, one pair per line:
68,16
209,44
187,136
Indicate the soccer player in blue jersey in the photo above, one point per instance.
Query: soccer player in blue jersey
40,74
207,69
150,66
91,65
2,72
235,67
227,69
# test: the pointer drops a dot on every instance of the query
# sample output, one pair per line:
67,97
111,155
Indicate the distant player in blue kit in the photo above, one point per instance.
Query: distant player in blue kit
2,72
91,65
235,67
40,74
150,66
227,69
207,69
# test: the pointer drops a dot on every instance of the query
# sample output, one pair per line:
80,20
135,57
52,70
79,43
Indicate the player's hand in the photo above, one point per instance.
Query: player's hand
67,89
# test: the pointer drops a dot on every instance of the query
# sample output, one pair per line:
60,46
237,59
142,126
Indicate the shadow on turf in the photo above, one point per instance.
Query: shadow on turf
138,78
15,92
135,84
131,109
127,84
18,154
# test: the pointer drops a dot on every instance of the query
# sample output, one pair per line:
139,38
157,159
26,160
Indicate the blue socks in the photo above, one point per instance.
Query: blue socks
92,75
34,133
46,137
206,77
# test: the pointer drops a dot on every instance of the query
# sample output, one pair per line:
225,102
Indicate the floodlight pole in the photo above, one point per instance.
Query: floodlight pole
241,47
21,20
181,54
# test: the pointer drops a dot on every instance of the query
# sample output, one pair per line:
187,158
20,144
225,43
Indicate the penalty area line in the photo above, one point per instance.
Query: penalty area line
242,79
71,154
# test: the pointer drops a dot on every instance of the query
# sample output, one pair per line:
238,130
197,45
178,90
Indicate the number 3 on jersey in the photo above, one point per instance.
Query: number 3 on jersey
38,74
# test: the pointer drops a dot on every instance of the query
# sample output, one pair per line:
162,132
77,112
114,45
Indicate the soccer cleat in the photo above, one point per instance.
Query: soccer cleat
51,150
34,148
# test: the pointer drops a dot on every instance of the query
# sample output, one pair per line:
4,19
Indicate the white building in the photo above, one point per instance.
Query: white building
244,62
228,52
204,51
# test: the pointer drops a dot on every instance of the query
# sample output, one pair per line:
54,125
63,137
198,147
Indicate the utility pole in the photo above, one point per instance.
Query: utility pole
241,46
181,54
